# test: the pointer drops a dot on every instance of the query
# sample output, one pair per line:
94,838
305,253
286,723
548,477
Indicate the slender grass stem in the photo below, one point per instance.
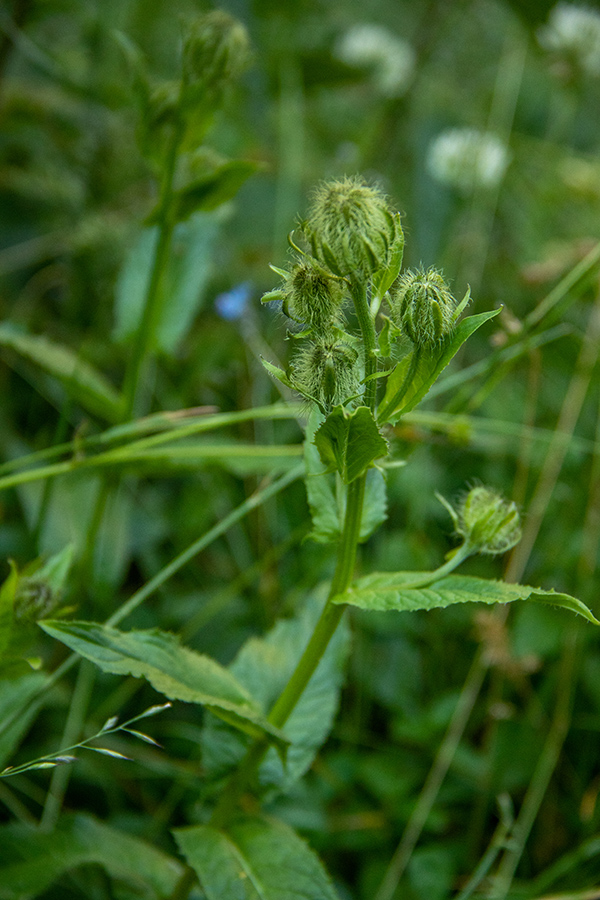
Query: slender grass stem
437,774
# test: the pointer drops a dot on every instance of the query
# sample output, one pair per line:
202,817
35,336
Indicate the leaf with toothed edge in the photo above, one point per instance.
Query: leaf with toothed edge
404,592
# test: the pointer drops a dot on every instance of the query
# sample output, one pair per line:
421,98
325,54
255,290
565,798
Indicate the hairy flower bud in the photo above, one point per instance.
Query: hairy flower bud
351,227
313,296
215,52
326,370
486,521
423,307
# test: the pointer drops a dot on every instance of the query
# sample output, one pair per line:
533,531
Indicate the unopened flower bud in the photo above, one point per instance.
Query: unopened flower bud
351,227
486,521
313,296
326,370
215,51
423,307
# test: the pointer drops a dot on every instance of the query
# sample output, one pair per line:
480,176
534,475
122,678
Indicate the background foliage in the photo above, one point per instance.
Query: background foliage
442,712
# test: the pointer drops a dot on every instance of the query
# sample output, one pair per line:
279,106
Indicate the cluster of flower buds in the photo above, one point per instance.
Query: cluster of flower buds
352,233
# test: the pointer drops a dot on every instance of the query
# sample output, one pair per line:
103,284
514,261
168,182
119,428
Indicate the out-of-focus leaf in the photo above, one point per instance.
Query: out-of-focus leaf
31,860
81,380
182,287
255,859
216,187
15,696
7,602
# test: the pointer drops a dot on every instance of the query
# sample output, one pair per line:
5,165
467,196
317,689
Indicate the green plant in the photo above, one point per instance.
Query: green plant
265,706
369,341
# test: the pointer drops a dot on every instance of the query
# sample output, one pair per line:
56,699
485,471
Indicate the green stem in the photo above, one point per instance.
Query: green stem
322,634
332,613
342,579
149,321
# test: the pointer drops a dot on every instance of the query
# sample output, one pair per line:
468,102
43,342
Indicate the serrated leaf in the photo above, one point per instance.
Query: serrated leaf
327,497
81,380
172,669
31,860
350,442
430,366
398,591
256,859
264,665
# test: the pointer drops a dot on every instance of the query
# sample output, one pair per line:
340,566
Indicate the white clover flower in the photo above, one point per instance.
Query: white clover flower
465,158
390,58
574,31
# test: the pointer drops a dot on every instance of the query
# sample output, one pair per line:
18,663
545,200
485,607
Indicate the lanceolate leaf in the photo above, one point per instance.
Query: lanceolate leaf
400,591
176,671
31,860
256,859
430,366
350,442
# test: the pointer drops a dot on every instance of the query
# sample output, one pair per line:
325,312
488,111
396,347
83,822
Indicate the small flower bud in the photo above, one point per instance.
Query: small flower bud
486,521
313,296
215,52
423,307
325,370
351,227
34,599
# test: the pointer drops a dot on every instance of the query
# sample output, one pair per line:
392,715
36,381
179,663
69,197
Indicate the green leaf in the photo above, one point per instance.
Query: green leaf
264,666
176,671
403,591
183,286
81,381
213,188
256,859
430,366
277,373
384,278
350,442
31,860
7,603
55,571
327,496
